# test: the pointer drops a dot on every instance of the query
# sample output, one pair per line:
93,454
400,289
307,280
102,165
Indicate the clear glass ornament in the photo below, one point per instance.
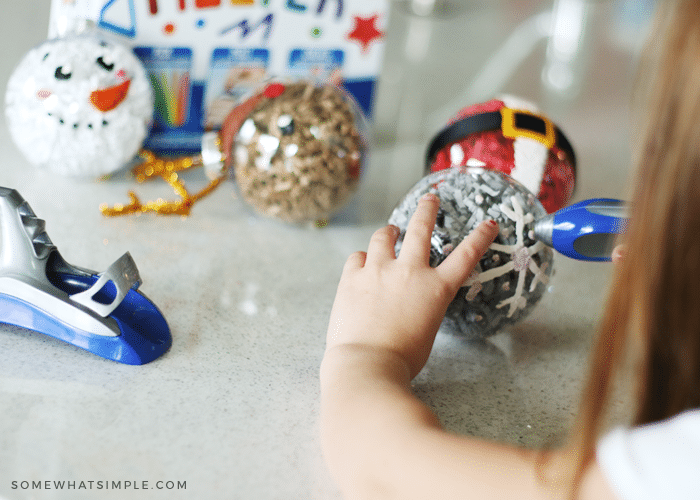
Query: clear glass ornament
512,276
299,154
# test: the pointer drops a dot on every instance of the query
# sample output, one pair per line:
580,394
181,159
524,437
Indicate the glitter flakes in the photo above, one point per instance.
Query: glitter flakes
299,154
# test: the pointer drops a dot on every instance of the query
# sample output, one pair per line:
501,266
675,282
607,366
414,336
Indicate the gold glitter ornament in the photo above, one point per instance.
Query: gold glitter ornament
300,152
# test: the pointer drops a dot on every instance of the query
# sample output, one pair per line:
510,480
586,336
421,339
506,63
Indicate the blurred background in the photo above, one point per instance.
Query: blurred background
573,58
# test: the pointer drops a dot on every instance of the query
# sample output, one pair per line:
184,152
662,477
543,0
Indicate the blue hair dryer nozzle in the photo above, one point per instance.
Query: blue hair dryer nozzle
585,230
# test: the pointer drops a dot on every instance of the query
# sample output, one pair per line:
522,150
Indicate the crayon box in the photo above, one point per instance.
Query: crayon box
203,55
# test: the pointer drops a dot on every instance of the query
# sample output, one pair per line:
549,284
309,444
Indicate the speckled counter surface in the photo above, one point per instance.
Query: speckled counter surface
232,409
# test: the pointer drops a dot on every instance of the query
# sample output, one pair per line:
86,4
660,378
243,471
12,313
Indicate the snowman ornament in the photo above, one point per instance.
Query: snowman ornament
80,106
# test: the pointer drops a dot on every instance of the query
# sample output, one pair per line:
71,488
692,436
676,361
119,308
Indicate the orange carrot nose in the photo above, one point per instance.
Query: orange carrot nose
109,98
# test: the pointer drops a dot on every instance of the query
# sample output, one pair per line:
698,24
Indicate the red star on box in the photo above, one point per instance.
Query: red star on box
365,31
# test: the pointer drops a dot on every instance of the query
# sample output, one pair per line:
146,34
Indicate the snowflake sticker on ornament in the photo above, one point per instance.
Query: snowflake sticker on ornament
79,106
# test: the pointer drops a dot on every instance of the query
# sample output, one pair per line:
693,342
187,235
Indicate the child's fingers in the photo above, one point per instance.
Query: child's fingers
416,243
381,244
460,263
618,254
355,261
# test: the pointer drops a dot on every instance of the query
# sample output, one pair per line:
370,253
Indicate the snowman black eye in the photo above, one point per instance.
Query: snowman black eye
104,65
62,73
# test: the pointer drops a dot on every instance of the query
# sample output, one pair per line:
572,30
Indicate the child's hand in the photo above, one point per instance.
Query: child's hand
397,304
618,254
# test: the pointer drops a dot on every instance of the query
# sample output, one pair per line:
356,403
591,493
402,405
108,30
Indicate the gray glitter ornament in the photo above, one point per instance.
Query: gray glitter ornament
511,277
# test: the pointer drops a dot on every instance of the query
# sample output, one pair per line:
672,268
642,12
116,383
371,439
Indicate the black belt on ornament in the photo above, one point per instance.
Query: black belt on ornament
513,123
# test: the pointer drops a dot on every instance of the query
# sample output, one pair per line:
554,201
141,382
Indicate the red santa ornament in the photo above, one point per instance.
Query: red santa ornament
511,136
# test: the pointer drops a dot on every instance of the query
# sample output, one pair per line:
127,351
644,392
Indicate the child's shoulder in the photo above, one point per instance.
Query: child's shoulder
657,460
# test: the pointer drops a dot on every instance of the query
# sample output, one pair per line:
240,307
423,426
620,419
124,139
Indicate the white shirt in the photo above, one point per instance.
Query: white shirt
659,461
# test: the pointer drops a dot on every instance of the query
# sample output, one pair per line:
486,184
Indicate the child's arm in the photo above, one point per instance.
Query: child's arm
379,440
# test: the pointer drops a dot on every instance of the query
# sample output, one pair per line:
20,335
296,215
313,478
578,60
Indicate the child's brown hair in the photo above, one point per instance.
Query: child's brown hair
653,311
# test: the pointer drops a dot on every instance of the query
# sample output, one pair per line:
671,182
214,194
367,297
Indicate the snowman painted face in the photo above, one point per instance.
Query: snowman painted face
80,106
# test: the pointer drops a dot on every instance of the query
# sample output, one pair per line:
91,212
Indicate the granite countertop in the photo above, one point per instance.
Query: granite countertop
231,410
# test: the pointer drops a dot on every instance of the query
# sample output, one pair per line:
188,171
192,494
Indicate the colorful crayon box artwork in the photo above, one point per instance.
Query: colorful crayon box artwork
204,55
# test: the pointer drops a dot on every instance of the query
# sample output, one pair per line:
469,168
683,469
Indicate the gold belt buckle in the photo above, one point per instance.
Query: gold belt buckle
510,130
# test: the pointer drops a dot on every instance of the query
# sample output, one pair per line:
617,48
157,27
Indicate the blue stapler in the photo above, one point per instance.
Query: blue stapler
102,313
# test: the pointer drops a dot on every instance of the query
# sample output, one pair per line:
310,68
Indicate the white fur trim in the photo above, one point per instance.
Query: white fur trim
530,160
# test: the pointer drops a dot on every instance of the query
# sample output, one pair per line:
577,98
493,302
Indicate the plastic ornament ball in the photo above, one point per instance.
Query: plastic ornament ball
510,135
511,277
299,152
79,105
